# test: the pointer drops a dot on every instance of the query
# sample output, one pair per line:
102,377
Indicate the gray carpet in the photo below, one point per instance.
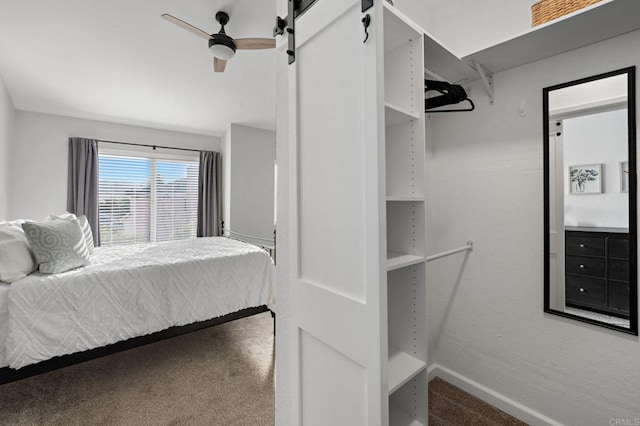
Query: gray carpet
451,406
218,376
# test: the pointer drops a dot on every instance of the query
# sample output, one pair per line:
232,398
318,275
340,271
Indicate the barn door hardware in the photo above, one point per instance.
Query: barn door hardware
366,5
366,21
288,24
281,24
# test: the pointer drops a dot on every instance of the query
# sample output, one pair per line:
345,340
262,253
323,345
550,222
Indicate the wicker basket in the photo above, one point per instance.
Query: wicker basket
547,10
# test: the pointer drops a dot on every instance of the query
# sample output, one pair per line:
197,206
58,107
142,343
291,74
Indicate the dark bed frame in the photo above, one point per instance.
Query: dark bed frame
8,375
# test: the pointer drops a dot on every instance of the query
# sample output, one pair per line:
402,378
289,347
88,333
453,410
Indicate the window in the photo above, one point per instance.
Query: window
147,197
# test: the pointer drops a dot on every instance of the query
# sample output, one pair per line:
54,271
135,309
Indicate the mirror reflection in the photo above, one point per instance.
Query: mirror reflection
590,209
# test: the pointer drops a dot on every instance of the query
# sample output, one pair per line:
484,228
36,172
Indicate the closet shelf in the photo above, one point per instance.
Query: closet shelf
438,58
413,198
397,260
402,368
603,20
400,418
394,114
398,28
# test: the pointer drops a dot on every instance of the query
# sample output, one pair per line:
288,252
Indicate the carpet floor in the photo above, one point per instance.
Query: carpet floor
218,376
451,406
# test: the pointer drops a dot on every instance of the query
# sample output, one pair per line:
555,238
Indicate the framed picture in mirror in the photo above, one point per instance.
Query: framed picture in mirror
586,179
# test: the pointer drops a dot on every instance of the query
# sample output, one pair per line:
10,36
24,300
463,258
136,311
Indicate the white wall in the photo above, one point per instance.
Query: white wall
7,117
486,319
466,26
597,139
39,156
248,171
582,96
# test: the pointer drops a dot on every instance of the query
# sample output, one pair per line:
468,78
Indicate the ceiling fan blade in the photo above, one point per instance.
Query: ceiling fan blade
186,26
254,43
219,65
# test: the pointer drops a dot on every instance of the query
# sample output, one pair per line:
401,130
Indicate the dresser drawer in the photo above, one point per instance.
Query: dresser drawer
618,270
618,296
586,266
588,246
583,290
618,248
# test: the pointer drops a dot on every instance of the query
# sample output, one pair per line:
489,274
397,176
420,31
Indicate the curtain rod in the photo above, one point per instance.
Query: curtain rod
150,146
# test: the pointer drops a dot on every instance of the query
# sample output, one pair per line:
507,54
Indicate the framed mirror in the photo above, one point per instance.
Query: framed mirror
590,221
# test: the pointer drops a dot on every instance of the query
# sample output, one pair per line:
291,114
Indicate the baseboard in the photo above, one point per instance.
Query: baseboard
490,396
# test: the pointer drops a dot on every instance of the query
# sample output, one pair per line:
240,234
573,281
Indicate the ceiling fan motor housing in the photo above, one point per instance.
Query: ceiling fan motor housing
217,44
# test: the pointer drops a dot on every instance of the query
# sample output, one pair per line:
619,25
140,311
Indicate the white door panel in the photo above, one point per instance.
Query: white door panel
330,152
327,368
336,209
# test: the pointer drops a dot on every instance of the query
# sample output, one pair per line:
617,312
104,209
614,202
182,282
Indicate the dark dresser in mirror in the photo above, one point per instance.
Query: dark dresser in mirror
597,270
590,200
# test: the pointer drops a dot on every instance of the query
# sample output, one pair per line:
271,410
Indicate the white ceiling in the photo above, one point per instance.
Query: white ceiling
118,61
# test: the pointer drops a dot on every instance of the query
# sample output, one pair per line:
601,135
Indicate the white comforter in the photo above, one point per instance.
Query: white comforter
132,291
4,323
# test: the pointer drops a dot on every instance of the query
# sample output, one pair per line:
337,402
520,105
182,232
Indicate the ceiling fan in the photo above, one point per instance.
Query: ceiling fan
221,45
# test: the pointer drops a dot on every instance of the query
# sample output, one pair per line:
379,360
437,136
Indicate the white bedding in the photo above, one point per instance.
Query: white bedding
130,291
4,322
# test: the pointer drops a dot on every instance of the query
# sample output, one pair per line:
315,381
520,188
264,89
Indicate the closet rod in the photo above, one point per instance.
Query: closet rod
469,247
431,75
149,146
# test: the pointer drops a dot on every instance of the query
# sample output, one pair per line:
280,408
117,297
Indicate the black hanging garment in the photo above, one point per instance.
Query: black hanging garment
450,94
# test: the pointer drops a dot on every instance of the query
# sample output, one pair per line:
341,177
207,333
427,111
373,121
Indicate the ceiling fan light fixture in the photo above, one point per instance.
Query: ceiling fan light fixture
222,51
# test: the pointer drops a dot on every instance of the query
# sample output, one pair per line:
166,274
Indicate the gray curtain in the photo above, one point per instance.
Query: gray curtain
209,194
82,188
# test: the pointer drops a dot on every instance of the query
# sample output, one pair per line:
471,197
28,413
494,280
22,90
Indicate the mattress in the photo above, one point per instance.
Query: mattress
130,291
4,322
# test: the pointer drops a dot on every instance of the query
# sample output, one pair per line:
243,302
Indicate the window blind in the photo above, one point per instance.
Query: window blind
147,199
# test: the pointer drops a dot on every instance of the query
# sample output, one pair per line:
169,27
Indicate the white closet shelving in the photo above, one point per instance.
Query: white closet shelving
406,237
395,115
603,20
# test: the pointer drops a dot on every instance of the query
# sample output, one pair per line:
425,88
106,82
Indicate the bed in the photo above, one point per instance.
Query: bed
130,291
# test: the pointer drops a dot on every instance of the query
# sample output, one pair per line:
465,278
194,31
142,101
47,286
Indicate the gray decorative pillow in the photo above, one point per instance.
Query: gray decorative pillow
59,245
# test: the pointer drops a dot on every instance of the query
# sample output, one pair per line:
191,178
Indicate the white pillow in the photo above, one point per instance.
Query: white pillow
13,223
16,258
62,216
84,224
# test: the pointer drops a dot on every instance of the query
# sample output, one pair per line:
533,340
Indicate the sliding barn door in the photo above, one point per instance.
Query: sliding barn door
336,215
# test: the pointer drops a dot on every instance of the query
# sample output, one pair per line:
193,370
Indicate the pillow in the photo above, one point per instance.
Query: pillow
59,245
63,216
84,224
16,258
86,231
14,223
